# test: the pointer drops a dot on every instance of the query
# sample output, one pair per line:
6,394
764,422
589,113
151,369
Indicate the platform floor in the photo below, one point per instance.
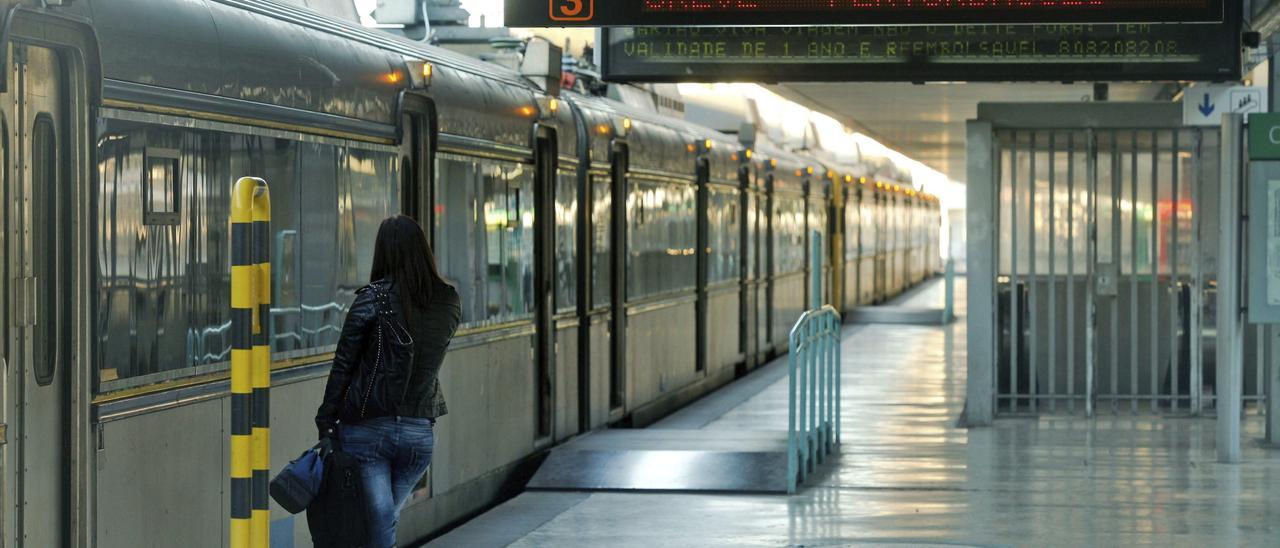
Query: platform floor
907,475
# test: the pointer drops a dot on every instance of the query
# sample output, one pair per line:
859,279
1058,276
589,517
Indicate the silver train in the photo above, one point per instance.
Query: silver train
571,226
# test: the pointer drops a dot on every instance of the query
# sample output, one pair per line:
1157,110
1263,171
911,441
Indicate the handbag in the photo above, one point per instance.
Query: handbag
338,516
296,486
380,381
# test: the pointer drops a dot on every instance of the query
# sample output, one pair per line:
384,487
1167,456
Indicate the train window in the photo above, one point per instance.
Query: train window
161,299
788,234
724,225
601,215
484,235
160,186
566,213
51,199
661,237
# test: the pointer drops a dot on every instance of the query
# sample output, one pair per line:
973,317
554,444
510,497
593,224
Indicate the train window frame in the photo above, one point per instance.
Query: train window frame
152,216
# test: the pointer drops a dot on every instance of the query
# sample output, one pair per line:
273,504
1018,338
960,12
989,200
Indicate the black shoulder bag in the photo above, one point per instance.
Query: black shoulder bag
338,515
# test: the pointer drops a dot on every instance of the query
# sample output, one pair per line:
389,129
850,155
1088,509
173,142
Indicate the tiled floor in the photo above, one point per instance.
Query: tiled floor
907,475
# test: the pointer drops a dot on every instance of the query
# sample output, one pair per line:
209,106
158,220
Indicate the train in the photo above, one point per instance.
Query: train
614,264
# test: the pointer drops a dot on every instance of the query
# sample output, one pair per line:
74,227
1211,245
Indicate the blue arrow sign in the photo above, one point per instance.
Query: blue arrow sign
1206,108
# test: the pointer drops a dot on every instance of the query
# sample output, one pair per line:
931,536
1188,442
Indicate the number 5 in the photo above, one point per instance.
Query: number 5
571,10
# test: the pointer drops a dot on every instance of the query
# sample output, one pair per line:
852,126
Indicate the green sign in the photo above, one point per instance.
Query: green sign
1264,136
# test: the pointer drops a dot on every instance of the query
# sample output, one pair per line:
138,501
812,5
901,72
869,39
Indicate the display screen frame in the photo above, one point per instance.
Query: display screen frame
1208,57
634,13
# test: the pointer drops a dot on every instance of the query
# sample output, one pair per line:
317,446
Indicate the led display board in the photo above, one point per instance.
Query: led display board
629,13
975,53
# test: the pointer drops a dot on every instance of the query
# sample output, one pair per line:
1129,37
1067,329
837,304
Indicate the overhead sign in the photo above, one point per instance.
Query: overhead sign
1111,52
597,13
1204,105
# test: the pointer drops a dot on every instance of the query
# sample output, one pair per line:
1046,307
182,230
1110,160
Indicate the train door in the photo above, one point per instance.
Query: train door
544,275
881,252
416,162
748,235
619,161
764,219
41,265
700,322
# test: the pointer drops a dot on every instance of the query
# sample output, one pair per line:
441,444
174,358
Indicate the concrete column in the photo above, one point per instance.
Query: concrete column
981,248
1230,319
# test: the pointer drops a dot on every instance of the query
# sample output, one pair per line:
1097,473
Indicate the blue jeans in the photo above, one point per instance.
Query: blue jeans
394,453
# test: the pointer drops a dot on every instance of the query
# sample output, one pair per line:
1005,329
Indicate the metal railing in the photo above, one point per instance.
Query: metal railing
813,398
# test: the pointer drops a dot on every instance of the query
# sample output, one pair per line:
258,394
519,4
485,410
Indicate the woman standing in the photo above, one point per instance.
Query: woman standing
394,448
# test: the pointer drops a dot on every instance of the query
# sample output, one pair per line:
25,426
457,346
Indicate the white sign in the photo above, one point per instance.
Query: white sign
1204,105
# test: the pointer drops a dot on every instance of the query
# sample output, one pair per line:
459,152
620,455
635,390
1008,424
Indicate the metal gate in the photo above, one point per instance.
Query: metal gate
1104,246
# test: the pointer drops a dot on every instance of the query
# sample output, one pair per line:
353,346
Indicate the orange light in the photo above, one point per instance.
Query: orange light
690,147
526,111
734,156
799,172
603,129
393,77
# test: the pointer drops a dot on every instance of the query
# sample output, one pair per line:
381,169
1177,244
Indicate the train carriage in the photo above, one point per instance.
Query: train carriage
613,263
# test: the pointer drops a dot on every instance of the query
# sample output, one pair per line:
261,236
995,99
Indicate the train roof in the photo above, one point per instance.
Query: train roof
256,52
662,142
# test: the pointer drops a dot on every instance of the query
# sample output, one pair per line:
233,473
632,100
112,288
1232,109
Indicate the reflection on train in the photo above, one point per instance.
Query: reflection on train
613,263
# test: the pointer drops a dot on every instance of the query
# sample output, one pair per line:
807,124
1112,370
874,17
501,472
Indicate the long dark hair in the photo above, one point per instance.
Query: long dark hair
403,254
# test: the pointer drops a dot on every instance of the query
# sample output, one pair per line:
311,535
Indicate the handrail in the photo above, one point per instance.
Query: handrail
813,363
813,423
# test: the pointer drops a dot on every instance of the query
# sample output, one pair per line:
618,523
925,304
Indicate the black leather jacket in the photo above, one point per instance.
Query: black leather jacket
432,328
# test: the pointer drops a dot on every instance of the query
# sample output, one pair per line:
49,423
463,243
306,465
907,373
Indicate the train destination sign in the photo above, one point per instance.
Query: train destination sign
1067,52
628,13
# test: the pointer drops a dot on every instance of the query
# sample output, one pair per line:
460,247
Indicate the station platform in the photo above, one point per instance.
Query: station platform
906,474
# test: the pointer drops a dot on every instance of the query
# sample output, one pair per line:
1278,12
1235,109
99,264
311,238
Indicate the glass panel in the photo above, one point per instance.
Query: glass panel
162,291
484,230
566,212
661,236
601,217
49,199
724,225
788,234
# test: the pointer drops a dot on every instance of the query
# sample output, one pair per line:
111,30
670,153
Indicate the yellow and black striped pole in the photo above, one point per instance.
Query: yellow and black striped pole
250,362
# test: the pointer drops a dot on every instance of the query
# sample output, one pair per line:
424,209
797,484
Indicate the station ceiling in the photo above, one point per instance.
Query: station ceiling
926,122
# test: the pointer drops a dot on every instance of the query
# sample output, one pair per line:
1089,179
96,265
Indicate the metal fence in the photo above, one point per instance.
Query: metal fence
813,401
1104,276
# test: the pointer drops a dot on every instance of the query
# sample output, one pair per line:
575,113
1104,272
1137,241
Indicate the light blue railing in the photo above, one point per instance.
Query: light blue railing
813,401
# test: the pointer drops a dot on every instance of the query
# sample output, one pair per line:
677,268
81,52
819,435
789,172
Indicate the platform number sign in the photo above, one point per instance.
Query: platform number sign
571,10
